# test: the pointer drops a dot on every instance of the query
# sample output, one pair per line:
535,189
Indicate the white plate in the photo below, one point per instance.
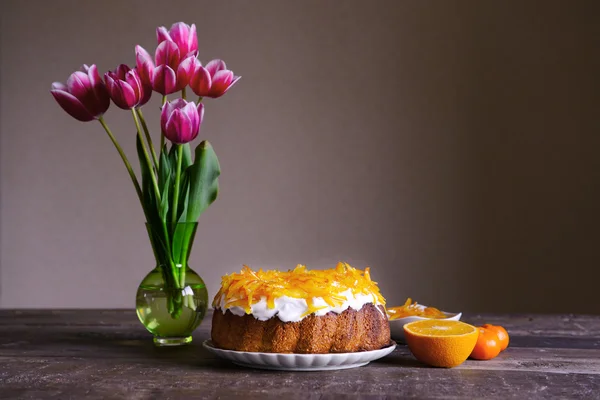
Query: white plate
299,362
397,325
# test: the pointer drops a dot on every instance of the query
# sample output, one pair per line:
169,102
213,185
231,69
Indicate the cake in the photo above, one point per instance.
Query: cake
300,311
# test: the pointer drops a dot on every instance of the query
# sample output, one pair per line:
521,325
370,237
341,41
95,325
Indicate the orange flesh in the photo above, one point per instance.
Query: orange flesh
440,328
410,309
248,287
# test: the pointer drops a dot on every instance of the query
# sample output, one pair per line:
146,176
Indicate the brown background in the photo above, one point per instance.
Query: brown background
451,146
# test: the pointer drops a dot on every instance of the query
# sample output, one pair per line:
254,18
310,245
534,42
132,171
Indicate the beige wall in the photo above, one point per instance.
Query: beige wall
452,146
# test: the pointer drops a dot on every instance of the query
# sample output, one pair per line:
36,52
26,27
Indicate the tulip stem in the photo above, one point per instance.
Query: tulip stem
177,182
183,94
199,99
162,134
146,156
148,137
125,161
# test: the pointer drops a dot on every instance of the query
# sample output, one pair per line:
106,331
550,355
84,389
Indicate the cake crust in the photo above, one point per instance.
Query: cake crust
350,331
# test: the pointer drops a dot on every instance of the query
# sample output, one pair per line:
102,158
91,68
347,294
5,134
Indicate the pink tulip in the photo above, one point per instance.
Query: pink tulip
183,35
167,73
84,97
180,121
125,87
213,80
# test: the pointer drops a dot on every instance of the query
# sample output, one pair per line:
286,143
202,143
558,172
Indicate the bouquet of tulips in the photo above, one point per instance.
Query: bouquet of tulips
175,187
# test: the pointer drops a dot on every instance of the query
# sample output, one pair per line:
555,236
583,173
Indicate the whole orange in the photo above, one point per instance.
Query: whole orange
502,334
487,346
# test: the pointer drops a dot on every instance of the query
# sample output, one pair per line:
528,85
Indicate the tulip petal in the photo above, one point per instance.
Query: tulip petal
179,103
162,34
215,66
146,95
133,79
71,105
179,34
185,37
164,80
110,80
201,81
185,71
200,109
94,75
102,98
165,113
197,63
60,86
145,64
79,84
193,40
121,71
168,109
123,95
167,53
220,83
192,113
235,79
179,128
116,94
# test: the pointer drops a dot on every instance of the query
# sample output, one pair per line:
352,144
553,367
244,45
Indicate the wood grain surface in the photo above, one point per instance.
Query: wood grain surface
108,354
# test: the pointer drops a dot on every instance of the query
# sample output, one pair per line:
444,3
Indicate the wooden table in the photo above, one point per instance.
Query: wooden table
108,354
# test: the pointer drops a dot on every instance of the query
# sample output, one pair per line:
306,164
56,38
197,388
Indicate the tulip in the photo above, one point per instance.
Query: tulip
125,87
180,121
213,80
183,35
167,73
84,97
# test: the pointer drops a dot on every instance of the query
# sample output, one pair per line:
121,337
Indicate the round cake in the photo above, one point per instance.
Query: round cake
300,311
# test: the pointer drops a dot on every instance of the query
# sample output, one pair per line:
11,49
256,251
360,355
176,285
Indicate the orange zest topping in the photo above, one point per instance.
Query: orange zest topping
248,287
410,309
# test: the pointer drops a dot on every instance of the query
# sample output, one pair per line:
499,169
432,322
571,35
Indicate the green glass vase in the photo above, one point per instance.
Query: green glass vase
172,300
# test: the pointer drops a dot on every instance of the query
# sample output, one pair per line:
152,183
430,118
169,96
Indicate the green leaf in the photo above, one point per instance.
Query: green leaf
164,173
187,156
151,209
179,236
184,189
163,211
182,242
173,158
204,182
147,189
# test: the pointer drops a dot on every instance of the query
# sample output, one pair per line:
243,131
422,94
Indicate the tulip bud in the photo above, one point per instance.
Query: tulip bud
169,74
145,65
167,53
185,71
85,96
180,121
213,80
183,35
126,88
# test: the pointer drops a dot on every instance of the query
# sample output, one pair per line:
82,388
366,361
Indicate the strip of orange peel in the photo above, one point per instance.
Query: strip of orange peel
248,287
412,309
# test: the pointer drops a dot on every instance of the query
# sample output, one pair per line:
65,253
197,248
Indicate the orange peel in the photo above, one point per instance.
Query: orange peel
248,287
412,309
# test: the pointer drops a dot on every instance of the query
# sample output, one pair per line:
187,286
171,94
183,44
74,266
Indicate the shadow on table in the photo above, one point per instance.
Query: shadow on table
137,346
103,343
400,360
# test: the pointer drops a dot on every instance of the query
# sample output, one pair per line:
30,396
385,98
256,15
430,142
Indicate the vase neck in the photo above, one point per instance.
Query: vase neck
172,243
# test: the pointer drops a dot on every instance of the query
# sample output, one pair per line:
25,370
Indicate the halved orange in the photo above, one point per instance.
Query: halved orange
440,343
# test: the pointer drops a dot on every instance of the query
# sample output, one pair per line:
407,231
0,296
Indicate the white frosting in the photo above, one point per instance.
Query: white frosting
290,309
